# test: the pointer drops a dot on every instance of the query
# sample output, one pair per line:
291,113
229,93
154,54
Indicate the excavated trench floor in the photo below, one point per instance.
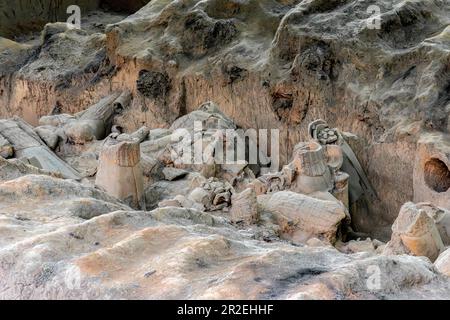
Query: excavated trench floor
95,21
91,22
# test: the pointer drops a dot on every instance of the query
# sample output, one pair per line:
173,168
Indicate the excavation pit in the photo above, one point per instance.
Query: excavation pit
28,16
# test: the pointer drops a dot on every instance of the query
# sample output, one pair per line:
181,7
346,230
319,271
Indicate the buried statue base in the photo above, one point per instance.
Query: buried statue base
137,209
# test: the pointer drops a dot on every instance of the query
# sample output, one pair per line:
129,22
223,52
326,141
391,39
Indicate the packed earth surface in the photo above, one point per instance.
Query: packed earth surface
102,198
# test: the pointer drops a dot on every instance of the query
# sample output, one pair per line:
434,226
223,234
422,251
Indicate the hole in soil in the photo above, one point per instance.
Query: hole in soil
437,175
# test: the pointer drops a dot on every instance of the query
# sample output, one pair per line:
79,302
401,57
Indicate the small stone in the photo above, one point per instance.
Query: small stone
120,173
169,203
414,232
